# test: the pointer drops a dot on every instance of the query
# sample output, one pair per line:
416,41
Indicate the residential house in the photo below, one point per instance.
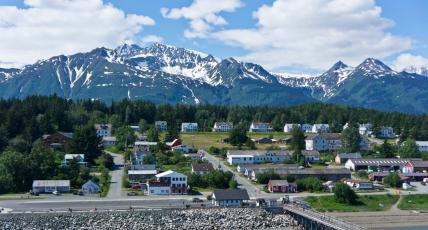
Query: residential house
422,146
158,188
183,149
175,142
189,127
364,143
109,142
177,181
57,140
161,125
236,157
103,130
257,127
141,175
49,186
359,185
90,187
229,197
342,158
202,168
307,128
375,164
79,158
320,128
387,132
311,155
143,146
222,126
281,186
323,142
289,127
365,129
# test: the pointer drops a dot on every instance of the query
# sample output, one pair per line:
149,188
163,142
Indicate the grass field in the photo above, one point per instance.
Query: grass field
204,140
367,203
414,202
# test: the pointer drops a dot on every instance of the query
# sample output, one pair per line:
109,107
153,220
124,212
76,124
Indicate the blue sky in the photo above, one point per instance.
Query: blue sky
282,35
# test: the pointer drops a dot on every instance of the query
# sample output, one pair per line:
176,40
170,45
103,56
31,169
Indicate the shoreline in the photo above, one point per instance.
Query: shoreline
384,219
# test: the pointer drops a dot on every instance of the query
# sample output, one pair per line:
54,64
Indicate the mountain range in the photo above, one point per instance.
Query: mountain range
167,74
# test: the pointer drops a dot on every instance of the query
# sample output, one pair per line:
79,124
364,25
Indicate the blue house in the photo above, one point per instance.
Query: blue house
90,187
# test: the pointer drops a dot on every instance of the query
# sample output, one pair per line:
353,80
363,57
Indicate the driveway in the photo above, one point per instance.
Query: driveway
115,190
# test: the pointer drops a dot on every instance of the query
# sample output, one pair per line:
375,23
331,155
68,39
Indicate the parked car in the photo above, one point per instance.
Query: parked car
197,200
56,193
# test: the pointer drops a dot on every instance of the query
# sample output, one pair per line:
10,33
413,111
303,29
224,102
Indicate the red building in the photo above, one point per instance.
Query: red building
281,186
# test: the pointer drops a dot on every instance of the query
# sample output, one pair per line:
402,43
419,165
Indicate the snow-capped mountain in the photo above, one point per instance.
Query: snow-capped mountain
167,74
417,70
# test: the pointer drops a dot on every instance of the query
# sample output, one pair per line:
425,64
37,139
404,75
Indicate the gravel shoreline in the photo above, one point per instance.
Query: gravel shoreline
230,218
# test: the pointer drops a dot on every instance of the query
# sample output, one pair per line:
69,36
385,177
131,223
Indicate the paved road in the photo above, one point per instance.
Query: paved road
253,190
116,177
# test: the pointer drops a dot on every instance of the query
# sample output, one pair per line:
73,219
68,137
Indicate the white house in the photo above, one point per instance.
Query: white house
48,186
330,141
229,197
257,127
222,126
161,125
387,132
182,149
177,181
307,128
422,146
158,188
109,141
237,157
365,129
143,146
103,130
289,127
80,158
320,128
90,187
189,127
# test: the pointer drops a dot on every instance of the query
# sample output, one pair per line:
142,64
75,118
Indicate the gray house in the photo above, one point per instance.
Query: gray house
229,197
90,187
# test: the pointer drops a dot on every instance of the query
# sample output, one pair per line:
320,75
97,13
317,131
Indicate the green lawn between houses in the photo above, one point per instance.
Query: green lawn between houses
414,202
204,140
367,203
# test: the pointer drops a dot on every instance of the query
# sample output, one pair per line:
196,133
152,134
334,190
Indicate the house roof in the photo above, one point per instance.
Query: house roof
350,155
260,152
169,172
90,183
422,143
203,167
68,135
103,126
143,172
340,171
73,156
308,153
420,164
218,123
379,161
145,143
278,182
109,138
268,166
51,183
231,194
143,167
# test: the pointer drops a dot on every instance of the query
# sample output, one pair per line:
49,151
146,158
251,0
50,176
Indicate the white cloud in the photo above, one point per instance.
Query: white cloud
316,33
45,28
151,39
407,60
203,15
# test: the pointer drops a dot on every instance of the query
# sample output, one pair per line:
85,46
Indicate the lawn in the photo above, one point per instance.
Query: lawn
414,202
367,203
204,140
182,168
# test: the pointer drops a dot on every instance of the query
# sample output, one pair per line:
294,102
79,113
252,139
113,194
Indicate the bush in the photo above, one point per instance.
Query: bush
263,178
309,184
393,180
344,194
362,174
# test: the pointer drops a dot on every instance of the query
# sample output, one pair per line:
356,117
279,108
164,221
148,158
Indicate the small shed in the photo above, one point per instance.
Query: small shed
90,187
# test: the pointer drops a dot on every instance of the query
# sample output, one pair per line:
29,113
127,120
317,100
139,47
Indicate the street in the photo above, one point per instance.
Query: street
115,190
